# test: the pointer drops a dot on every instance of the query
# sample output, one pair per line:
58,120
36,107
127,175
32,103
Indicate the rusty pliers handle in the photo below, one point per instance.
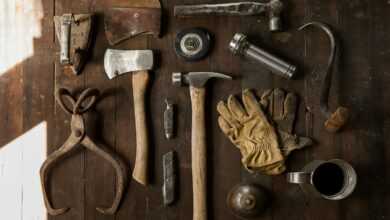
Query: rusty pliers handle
88,94
337,119
78,137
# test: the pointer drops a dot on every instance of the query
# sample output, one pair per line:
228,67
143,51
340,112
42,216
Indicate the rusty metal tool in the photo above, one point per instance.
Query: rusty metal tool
131,18
197,82
79,137
334,120
74,33
274,9
169,173
169,119
239,45
138,62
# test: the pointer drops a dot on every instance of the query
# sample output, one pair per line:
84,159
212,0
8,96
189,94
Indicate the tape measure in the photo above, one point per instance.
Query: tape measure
192,44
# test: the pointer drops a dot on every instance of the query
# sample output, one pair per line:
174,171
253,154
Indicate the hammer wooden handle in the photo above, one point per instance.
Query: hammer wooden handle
198,151
140,82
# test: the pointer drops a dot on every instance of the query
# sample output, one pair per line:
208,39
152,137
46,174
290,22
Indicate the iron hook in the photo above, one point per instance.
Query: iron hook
335,120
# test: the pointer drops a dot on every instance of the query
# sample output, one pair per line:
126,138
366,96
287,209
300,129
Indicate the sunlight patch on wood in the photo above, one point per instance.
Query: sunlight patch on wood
20,190
20,23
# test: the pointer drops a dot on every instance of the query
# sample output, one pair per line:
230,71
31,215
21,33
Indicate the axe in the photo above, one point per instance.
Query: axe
128,19
138,62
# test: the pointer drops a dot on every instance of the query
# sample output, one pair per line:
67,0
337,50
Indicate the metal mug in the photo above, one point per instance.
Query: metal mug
333,179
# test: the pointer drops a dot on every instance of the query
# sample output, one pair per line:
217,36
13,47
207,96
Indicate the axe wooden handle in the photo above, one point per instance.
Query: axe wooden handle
140,82
198,151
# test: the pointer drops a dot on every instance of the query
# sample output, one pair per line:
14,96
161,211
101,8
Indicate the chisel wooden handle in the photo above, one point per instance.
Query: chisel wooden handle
140,82
198,151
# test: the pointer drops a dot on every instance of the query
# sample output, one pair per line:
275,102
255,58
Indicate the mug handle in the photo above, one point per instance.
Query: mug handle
298,177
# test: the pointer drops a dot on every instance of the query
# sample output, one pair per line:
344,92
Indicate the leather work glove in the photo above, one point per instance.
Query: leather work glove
249,129
279,107
282,108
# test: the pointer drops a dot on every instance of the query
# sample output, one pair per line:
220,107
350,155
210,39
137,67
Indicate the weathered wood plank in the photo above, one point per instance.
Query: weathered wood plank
100,186
364,68
317,52
136,203
85,181
68,186
23,138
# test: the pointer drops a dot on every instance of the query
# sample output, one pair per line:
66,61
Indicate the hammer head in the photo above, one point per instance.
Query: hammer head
275,9
196,79
118,62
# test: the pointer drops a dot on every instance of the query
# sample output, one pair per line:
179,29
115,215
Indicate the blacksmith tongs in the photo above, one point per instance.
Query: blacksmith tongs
78,137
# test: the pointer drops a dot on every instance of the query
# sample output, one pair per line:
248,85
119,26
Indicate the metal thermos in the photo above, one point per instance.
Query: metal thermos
240,45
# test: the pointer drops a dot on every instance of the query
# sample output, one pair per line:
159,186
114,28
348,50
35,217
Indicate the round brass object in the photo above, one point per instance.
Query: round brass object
247,200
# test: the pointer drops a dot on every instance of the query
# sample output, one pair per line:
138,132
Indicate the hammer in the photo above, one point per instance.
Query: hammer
138,62
197,81
273,8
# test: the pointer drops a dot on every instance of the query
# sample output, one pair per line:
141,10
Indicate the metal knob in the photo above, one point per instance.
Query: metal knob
238,44
275,24
247,200
276,8
177,79
241,46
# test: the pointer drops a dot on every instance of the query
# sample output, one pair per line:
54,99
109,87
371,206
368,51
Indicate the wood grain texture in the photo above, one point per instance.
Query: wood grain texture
83,181
198,153
140,84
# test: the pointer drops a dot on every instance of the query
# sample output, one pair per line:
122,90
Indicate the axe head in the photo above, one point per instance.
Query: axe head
118,62
123,23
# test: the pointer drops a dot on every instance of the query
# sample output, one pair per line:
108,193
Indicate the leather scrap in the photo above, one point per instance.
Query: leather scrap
123,23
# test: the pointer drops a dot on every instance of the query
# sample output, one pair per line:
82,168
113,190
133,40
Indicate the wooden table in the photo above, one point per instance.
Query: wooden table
85,181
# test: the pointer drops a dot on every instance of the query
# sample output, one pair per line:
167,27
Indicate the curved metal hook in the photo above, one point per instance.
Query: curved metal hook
77,138
88,94
105,153
120,170
49,163
335,120
60,94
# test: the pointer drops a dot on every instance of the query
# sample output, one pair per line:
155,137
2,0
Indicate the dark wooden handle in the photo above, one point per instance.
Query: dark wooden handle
140,172
198,151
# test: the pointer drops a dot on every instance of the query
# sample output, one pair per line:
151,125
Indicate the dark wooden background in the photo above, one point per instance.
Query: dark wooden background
361,83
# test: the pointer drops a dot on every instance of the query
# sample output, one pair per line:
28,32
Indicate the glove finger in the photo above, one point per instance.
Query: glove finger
266,101
304,142
278,104
295,143
229,131
251,104
226,114
275,169
236,109
224,125
290,110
